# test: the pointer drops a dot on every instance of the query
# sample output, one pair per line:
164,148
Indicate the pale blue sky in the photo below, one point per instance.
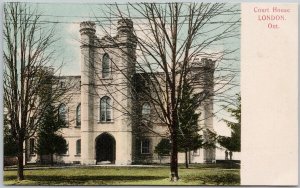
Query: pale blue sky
68,16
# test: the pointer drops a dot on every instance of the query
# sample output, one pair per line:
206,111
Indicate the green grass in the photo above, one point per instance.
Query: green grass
196,175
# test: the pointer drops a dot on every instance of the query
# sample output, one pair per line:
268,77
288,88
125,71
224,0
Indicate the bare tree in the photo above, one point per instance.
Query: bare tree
30,84
170,39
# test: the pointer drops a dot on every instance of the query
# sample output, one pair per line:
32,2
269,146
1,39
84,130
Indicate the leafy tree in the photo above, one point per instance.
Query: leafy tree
163,148
49,140
10,148
233,143
188,133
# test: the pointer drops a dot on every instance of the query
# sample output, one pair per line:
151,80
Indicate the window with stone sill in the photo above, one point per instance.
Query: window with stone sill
145,146
105,109
146,110
78,115
78,147
62,113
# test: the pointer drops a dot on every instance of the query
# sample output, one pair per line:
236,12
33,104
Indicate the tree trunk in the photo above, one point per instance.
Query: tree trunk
189,153
174,158
20,162
51,158
186,158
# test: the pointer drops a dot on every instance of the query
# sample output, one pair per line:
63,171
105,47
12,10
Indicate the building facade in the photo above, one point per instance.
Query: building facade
100,124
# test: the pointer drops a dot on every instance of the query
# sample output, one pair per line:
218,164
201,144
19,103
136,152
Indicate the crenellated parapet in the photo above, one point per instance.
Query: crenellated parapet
207,63
202,73
125,35
199,62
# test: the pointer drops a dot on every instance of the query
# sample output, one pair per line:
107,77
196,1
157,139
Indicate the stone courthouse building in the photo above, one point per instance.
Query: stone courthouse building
100,127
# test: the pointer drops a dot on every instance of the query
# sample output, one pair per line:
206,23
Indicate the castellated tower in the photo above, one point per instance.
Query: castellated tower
107,73
107,65
204,83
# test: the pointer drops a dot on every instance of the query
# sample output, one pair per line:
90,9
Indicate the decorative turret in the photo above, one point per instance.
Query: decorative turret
88,37
87,31
202,72
87,27
125,32
125,26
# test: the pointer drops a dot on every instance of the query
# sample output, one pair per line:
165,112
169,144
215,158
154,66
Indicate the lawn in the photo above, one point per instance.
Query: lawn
110,175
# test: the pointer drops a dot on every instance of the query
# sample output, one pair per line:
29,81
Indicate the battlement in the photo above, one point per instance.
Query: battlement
199,62
208,63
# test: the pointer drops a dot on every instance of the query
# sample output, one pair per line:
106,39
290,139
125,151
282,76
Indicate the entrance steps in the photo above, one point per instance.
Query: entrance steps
104,163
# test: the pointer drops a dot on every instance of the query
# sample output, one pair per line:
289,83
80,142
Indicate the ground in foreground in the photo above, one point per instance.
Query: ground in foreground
110,175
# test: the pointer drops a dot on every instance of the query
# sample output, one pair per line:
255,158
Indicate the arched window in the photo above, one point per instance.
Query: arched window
146,109
78,115
78,147
105,66
62,112
105,109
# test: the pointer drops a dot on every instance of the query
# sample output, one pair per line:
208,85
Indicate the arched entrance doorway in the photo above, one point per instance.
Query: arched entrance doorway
105,148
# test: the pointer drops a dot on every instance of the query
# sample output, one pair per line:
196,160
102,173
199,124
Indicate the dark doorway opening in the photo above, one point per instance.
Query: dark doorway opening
105,148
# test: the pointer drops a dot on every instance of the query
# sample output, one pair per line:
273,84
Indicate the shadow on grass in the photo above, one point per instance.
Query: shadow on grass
71,180
216,179
209,166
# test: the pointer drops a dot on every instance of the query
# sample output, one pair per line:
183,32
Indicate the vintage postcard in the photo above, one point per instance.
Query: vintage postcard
149,93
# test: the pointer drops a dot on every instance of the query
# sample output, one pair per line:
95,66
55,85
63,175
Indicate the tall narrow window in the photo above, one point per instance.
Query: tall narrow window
105,109
31,145
62,112
145,146
78,115
146,110
78,147
105,66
